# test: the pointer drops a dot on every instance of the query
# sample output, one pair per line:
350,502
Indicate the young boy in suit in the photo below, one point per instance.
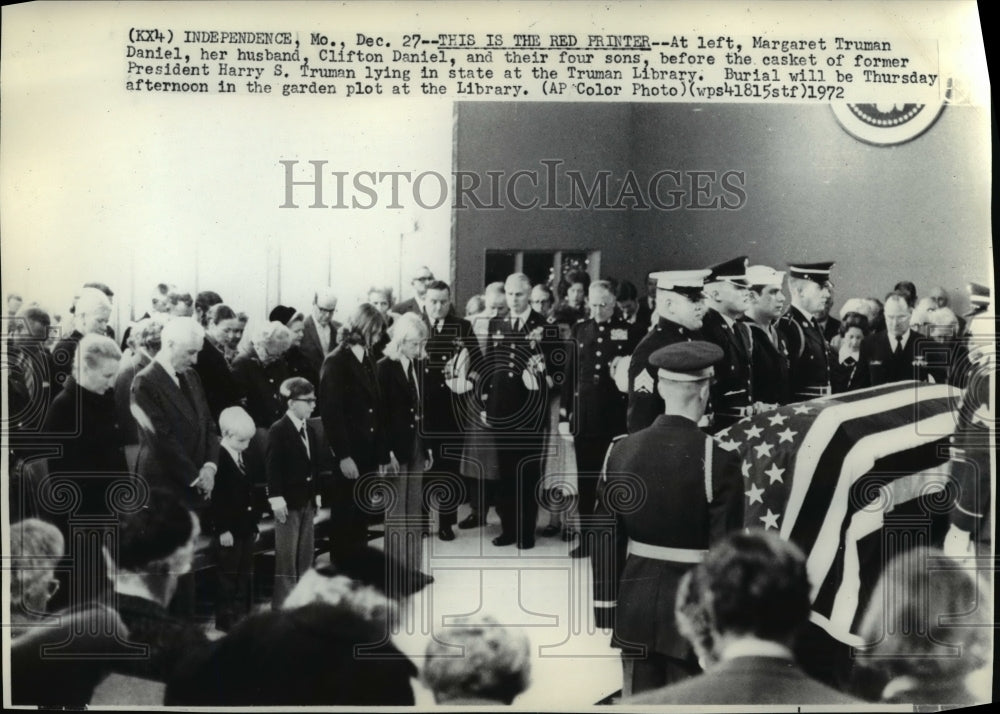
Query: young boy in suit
234,517
292,465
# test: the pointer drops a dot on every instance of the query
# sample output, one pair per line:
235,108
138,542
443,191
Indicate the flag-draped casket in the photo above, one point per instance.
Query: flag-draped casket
852,479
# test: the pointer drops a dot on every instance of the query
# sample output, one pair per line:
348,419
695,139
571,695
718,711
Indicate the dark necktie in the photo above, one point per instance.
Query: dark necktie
239,464
515,324
412,379
437,327
899,345
185,388
304,436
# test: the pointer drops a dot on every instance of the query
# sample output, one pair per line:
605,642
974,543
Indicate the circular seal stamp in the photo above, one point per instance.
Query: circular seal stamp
885,124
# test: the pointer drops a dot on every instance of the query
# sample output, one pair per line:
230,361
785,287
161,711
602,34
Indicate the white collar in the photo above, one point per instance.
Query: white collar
405,362
167,367
753,647
523,317
232,452
296,422
899,685
359,352
892,339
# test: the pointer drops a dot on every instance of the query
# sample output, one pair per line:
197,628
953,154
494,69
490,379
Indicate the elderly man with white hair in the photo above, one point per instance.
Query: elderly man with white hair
260,371
91,314
178,444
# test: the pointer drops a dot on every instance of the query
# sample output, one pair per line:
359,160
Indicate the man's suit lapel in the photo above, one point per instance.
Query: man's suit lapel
177,396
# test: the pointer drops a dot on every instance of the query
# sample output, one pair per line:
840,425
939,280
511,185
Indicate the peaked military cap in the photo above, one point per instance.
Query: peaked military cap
817,272
686,282
731,271
686,361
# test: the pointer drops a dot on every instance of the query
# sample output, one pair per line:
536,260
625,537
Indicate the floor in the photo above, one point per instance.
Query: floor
542,590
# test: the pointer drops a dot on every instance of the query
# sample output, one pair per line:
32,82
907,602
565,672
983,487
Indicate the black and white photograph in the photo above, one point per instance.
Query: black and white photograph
500,355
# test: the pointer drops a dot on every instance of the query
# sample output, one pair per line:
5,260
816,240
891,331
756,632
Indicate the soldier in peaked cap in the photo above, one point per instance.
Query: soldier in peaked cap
769,361
680,306
809,370
668,492
728,296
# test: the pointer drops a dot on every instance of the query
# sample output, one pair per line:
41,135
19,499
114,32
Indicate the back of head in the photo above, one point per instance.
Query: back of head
35,546
154,531
928,618
757,586
304,656
478,658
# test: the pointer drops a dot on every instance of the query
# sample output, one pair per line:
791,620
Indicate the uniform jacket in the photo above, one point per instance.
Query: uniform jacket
808,360
592,402
769,367
233,505
176,433
732,388
292,473
644,403
442,407
656,491
262,386
350,404
510,405
747,680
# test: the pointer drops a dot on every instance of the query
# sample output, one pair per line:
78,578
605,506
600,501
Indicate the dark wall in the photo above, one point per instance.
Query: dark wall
917,211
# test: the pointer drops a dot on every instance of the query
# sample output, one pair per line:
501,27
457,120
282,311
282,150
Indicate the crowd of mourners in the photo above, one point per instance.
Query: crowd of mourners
202,439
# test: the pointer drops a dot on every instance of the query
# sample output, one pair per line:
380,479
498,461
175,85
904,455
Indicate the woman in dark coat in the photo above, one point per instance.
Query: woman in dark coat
83,421
298,364
351,407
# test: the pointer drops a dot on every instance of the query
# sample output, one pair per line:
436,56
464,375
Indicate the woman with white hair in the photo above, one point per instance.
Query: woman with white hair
399,373
91,313
478,662
261,371
35,547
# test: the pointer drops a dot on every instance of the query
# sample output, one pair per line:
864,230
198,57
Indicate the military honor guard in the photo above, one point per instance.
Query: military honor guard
680,308
808,353
728,296
668,493
592,406
769,360
515,394
447,377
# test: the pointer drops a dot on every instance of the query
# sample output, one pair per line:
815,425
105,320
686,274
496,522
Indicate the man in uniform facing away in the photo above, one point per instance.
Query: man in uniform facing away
680,307
808,368
668,493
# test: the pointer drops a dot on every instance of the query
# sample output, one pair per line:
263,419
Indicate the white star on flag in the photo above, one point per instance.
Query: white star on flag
731,445
801,409
777,420
753,432
745,468
754,494
775,473
770,520
786,435
763,450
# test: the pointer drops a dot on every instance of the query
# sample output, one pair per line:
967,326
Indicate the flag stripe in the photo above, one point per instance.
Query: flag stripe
813,446
889,470
827,474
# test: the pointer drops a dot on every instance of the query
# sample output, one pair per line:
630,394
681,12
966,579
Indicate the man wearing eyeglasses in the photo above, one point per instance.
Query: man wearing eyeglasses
319,337
422,277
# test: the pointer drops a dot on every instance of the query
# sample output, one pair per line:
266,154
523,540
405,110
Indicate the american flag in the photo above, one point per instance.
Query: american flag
851,479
